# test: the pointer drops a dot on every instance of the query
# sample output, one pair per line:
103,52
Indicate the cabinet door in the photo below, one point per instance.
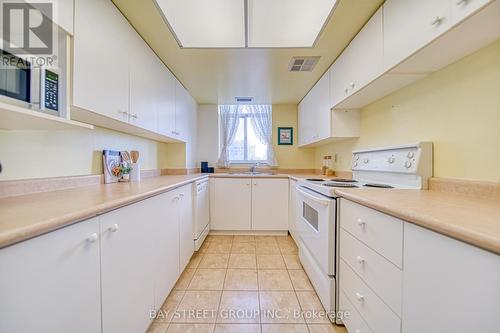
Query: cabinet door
461,9
185,204
365,61
293,209
270,204
51,283
411,24
320,111
166,107
143,84
445,280
232,204
100,59
304,125
166,242
127,267
182,104
339,79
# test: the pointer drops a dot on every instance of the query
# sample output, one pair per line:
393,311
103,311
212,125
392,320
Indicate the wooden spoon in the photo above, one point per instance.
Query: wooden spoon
134,155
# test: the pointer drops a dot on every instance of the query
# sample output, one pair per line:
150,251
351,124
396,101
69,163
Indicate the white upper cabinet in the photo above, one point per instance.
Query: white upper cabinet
360,63
314,113
54,277
62,14
166,107
410,25
144,96
100,63
118,76
461,9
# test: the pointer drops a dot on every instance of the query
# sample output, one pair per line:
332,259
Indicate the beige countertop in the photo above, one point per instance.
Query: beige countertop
466,218
27,216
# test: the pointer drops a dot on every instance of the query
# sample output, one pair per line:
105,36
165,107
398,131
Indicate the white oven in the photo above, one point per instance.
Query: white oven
317,227
317,245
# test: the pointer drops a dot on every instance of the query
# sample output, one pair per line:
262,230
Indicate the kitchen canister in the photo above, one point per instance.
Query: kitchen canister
135,173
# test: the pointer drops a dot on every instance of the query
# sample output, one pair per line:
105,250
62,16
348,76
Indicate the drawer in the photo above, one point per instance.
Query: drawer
381,232
351,317
379,317
382,276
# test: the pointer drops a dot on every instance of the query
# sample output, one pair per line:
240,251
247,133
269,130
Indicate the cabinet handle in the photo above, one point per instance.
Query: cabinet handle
181,195
437,20
360,297
92,238
346,90
361,223
248,184
462,2
360,259
133,115
352,85
113,228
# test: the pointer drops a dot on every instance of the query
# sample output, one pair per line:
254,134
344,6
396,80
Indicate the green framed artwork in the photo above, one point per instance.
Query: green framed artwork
285,136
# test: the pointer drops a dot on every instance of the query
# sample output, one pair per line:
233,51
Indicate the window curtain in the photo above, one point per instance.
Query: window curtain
229,118
262,122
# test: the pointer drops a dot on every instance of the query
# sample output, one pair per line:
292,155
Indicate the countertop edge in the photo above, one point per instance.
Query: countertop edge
480,240
38,229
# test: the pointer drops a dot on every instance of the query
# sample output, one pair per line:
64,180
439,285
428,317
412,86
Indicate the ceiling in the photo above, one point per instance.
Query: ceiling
216,76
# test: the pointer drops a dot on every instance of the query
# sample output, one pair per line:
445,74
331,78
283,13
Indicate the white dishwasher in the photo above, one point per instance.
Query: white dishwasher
201,212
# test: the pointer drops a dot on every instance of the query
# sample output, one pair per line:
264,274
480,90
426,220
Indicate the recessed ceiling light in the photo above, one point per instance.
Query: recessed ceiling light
206,24
246,23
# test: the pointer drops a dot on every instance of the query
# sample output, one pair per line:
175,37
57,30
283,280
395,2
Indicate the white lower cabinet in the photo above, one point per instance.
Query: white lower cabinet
250,204
232,204
127,267
51,283
448,286
185,213
270,204
293,210
441,285
166,245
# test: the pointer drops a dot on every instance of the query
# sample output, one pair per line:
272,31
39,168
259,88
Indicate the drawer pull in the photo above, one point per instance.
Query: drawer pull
360,297
361,223
113,228
437,20
360,259
92,238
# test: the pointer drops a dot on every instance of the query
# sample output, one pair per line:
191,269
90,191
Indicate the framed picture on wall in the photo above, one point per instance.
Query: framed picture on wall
285,136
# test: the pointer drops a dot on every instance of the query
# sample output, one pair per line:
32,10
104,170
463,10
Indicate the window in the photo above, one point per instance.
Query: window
246,147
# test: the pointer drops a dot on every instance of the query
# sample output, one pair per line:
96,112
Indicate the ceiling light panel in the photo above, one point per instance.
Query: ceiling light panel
206,24
286,23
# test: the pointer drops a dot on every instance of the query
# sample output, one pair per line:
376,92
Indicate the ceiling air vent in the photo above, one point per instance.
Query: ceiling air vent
244,99
302,64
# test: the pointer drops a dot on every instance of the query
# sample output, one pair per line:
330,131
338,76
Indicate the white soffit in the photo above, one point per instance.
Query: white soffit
206,24
286,23
246,23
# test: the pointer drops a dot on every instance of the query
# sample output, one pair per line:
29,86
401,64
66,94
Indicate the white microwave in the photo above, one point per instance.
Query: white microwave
38,87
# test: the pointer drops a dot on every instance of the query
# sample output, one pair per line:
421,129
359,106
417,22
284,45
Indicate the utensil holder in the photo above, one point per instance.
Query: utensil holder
135,173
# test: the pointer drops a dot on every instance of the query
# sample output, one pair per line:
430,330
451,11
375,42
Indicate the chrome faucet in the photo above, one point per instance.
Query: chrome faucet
254,167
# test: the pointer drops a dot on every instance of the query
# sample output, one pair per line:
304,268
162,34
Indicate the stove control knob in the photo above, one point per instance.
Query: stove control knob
356,157
391,160
410,154
408,164
355,164
366,160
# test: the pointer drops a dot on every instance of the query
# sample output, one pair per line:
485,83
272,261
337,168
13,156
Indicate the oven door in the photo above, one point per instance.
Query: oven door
317,227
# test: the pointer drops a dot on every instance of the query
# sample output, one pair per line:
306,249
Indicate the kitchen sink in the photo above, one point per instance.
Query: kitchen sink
253,173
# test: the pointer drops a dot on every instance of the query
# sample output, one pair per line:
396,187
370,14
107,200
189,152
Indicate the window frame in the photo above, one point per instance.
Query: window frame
245,151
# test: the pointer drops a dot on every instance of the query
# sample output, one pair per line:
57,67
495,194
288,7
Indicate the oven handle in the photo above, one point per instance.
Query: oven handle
313,197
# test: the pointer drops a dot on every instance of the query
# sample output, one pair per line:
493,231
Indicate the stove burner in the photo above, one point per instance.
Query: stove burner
315,180
379,185
346,185
343,180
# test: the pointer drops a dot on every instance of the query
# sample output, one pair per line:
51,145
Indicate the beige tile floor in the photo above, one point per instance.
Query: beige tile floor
244,284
